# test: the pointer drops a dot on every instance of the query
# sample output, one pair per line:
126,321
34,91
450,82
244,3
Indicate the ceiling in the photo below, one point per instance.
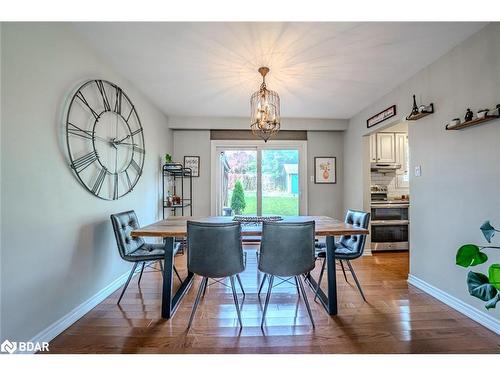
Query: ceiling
320,70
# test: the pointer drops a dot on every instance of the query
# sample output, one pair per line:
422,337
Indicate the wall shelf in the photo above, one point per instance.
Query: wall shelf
421,114
478,121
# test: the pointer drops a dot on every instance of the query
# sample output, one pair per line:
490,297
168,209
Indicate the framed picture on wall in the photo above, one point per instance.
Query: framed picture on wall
381,116
193,162
325,170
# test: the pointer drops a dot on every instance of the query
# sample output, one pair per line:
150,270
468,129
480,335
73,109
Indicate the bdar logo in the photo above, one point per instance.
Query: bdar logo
8,347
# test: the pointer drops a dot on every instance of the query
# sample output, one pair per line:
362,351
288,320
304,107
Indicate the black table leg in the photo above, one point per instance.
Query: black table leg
170,302
329,300
332,275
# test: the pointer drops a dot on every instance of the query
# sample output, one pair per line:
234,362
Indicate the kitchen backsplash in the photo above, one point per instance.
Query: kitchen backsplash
389,180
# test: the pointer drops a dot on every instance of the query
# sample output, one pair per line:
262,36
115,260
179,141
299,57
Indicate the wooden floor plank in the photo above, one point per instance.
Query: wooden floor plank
396,319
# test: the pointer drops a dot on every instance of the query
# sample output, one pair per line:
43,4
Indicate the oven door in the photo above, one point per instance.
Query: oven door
389,235
389,212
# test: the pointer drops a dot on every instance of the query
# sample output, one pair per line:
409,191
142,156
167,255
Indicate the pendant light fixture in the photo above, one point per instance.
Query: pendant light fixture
265,110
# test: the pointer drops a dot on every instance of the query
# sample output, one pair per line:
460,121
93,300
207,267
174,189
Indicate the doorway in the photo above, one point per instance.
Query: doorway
387,188
253,178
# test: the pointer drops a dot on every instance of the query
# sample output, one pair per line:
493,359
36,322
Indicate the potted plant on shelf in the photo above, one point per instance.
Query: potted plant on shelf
484,287
170,164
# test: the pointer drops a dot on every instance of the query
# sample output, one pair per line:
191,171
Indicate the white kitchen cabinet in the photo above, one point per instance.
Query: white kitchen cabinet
386,148
401,157
373,148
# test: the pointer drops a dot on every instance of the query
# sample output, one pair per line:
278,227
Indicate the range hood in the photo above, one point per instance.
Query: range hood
384,167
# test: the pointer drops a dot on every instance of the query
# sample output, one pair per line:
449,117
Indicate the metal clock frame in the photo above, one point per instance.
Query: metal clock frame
91,134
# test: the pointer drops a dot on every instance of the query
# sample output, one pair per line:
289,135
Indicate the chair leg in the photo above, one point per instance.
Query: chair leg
236,303
271,279
319,280
297,285
197,300
304,295
142,270
356,280
128,280
205,288
343,269
241,285
177,273
262,283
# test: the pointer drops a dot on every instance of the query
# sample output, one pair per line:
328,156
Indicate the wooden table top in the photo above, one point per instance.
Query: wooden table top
176,226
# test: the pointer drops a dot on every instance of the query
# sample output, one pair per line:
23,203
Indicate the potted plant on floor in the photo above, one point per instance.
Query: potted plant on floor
484,287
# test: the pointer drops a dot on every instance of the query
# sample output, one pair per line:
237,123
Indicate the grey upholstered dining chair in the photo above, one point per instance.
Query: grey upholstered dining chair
287,250
215,251
347,248
134,249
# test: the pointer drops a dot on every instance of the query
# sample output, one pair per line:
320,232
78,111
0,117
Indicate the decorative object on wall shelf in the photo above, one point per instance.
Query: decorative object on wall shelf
325,170
193,162
418,112
381,116
468,115
484,287
484,115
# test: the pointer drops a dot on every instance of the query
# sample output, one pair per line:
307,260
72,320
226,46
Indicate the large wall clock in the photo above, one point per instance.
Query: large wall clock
105,139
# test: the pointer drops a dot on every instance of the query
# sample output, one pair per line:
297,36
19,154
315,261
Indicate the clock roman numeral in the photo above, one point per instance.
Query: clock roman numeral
84,161
130,113
115,186
76,130
118,100
129,182
136,148
99,182
134,164
80,96
104,96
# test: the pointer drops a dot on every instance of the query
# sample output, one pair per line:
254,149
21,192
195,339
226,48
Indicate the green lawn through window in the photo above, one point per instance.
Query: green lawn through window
286,206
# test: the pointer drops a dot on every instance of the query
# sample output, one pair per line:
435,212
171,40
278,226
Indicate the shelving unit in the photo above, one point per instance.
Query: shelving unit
477,121
174,179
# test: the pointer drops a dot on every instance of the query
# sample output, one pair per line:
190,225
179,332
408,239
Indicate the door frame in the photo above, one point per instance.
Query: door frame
301,146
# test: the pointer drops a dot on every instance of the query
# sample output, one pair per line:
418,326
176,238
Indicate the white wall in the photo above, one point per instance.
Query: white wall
322,199
241,123
325,199
458,188
57,245
196,143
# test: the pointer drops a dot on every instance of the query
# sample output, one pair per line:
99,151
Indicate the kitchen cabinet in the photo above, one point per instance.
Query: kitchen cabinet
386,151
373,148
401,157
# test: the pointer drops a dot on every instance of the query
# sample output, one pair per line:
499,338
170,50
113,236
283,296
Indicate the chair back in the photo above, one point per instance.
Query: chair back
214,249
287,249
123,224
356,243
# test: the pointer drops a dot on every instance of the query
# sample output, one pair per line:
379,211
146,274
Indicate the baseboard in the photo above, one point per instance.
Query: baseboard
472,312
67,320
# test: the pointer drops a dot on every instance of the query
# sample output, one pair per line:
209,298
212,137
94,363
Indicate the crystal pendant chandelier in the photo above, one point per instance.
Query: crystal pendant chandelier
265,107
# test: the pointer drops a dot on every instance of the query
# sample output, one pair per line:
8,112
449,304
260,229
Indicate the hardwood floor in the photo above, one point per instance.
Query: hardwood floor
398,318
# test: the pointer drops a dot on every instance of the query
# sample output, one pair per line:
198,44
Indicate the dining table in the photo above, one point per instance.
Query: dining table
175,227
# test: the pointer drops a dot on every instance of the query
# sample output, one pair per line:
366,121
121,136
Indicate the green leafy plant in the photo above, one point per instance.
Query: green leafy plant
484,287
238,203
168,158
